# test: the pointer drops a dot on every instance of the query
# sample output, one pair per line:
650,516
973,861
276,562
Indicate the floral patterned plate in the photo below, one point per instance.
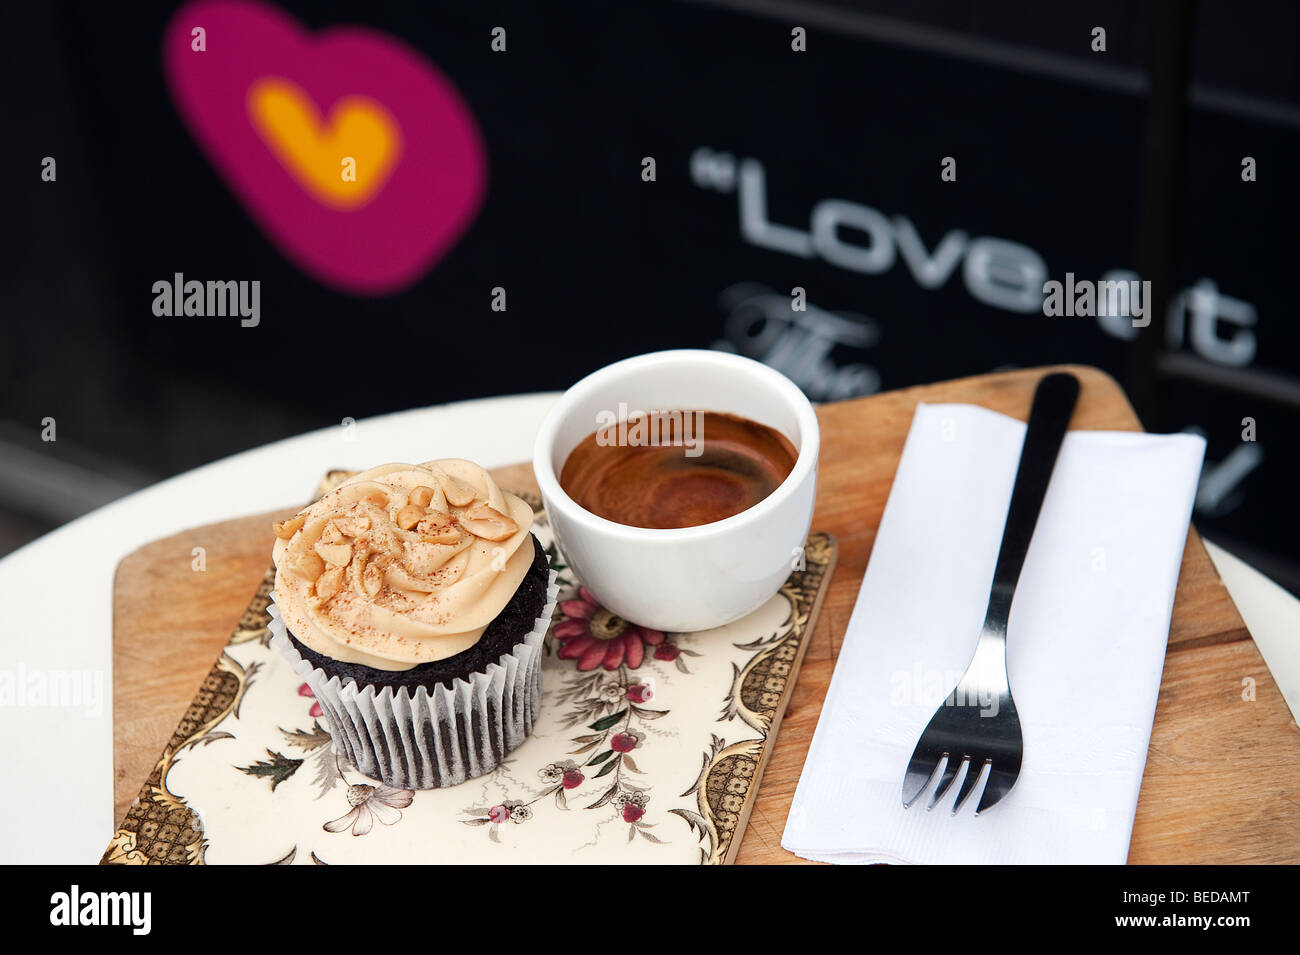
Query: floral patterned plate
649,749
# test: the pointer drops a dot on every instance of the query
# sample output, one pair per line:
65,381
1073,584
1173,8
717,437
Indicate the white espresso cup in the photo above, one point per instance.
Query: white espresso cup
688,578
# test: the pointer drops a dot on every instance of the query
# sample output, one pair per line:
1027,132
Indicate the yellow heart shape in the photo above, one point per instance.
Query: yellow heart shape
344,162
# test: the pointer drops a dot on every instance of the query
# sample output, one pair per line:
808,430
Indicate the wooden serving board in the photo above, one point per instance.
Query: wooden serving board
1220,783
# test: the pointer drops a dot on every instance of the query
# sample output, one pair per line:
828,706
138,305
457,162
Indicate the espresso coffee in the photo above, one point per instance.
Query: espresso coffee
677,468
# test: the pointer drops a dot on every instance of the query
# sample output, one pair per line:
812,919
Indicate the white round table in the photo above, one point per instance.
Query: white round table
56,602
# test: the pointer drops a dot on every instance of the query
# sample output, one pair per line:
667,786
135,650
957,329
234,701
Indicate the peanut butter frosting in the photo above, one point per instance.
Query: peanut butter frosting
402,564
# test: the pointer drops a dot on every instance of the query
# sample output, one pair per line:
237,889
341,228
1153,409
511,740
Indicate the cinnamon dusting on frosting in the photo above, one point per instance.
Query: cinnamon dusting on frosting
402,564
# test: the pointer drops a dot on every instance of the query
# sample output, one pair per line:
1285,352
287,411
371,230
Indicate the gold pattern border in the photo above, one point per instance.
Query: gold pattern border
728,783
159,829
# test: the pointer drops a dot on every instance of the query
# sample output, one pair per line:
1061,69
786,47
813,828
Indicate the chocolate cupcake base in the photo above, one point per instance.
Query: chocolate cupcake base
445,725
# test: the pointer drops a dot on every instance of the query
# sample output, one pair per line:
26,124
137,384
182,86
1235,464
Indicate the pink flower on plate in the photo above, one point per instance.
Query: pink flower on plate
315,710
631,805
566,774
596,637
641,692
498,814
626,741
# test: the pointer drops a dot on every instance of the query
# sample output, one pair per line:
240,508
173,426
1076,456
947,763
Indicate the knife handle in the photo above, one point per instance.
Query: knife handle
1049,418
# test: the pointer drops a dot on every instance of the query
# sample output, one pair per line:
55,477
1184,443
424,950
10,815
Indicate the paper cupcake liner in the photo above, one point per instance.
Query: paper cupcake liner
428,739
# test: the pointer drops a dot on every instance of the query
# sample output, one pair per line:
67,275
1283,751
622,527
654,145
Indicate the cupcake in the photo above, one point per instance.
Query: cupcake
413,600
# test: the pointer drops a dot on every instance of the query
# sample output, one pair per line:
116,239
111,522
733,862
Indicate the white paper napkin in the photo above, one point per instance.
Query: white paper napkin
1085,646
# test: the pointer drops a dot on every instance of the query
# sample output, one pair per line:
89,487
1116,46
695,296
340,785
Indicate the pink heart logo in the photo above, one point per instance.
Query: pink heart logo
351,151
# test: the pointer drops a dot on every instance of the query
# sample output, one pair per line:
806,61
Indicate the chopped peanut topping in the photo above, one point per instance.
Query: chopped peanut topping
409,516
329,583
487,522
352,525
337,554
287,528
459,494
309,567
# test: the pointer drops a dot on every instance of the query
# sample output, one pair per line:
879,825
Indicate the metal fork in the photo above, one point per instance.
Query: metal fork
967,731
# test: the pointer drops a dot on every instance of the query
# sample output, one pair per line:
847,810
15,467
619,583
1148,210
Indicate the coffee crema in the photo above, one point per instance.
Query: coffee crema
727,466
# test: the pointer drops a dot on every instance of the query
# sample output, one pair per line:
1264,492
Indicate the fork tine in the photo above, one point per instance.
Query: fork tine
955,763
999,785
919,773
973,772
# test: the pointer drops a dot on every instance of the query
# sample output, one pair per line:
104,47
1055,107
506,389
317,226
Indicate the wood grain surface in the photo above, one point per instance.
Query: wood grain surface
1222,781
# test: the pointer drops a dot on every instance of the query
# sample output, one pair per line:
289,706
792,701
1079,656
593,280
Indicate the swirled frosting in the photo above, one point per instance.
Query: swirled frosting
402,564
